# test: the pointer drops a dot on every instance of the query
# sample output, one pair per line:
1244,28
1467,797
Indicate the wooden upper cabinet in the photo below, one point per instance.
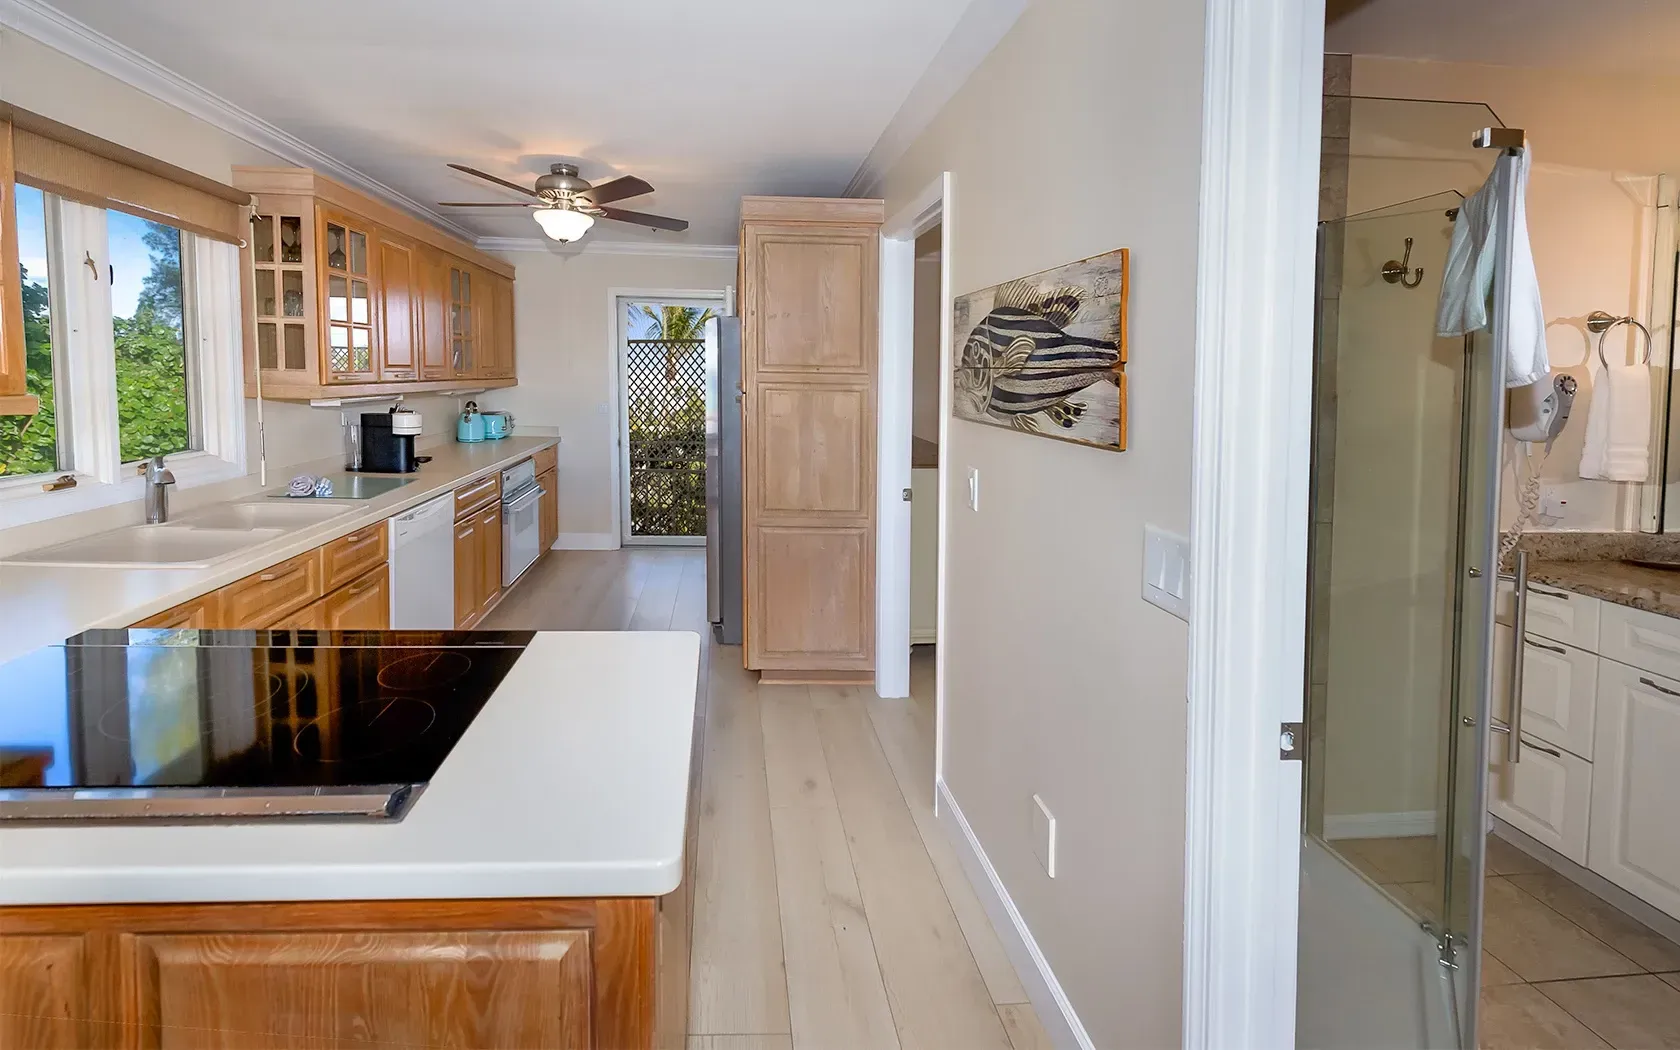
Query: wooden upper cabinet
463,321
346,290
399,301
434,315
496,334
809,290
345,251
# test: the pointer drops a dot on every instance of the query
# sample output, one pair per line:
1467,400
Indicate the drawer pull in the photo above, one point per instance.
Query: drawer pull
1560,595
1542,750
1549,648
269,577
1658,688
354,537
362,588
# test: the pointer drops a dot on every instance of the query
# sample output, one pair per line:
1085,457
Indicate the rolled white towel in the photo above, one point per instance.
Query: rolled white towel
302,485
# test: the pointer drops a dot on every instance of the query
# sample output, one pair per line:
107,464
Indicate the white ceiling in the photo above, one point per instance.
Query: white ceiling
1633,37
706,99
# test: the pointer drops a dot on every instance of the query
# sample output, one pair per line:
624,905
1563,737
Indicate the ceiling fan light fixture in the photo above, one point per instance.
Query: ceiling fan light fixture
563,224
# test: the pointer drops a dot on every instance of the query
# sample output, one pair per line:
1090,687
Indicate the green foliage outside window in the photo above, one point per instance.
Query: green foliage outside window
151,355
667,424
29,444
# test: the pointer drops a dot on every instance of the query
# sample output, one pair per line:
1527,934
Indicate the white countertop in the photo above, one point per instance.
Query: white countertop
41,604
571,782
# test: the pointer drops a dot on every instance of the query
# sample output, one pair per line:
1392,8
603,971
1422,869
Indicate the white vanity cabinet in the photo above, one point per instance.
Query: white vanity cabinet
1635,839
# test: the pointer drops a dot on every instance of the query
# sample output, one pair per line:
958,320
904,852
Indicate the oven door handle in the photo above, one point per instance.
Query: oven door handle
522,500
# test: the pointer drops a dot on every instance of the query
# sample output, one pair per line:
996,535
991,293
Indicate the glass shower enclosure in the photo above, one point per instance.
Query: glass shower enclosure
1400,609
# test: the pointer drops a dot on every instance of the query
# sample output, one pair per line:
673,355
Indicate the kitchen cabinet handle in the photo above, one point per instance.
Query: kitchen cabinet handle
269,577
1543,750
354,537
1548,648
1561,595
1658,688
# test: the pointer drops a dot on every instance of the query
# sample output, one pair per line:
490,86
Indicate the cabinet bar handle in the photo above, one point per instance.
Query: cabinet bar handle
1519,629
1658,688
1563,595
1549,648
1543,750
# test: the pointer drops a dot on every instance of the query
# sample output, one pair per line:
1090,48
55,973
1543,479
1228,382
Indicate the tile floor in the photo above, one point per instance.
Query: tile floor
1561,969
830,909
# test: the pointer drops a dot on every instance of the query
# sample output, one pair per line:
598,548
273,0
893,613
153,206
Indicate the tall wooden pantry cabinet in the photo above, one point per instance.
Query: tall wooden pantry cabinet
809,286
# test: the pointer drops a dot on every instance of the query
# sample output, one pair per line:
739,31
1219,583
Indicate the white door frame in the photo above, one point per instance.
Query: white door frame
618,380
1262,100
929,208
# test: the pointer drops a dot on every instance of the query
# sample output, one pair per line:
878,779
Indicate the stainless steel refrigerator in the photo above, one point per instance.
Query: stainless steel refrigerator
724,605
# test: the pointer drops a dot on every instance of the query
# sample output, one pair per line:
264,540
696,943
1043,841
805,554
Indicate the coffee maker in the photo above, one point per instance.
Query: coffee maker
388,441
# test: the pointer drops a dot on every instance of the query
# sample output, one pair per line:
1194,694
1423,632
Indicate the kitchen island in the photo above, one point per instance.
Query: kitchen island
535,895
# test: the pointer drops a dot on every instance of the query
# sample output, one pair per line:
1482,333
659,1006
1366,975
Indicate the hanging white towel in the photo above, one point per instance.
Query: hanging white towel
1618,439
1468,276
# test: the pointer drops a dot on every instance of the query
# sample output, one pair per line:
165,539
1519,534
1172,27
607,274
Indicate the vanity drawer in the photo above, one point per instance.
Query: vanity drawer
1560,692
1548,795
273,594
349,557
1560,615
1646,640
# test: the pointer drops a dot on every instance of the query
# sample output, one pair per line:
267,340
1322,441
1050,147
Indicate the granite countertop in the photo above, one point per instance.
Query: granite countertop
1591,563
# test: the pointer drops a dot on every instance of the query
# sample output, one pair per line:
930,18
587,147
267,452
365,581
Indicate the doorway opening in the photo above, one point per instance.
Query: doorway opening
667,365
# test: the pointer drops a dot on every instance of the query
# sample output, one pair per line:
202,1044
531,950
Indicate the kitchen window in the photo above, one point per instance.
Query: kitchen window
132,328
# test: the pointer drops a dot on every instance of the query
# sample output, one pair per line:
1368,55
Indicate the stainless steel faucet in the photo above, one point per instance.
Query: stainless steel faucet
158,480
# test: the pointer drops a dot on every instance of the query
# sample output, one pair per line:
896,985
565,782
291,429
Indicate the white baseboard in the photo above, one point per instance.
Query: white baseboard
586,541
924,635
1379,825
1055,1012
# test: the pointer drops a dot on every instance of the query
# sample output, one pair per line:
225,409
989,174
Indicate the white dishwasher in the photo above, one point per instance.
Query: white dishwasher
423,567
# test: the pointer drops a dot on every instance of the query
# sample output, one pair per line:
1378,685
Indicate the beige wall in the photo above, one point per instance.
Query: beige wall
1060,680
1598,142
567,361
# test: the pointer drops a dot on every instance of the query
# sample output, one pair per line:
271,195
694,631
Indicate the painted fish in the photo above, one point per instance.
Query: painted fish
1020,360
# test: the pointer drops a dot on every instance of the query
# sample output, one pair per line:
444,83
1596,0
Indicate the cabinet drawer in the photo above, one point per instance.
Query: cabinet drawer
470,499
1641,639
546,459
312,617
265,597
1560,615
365,605
348,557
1636,785
1547,795
199,614
1560,690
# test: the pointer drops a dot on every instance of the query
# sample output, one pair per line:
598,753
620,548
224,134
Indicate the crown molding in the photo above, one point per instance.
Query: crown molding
982,26
548,247
57,30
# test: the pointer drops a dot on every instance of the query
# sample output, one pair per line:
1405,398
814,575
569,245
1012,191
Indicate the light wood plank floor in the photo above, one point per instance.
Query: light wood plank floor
830,911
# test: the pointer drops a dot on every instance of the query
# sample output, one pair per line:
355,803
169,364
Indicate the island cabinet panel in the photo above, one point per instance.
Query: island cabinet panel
566,974
513,988
44,993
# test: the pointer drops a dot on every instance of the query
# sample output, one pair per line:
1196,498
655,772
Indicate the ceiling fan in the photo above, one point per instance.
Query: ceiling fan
566,206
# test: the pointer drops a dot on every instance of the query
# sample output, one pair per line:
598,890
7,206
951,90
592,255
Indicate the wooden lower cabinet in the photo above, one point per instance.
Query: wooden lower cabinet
548,513
478,551
200,614
364,605
534,974
489,559
466,573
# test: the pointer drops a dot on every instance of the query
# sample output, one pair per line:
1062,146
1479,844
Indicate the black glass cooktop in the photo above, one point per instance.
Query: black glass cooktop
148,724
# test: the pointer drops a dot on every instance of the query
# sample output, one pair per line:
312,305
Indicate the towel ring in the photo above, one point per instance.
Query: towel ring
1601,322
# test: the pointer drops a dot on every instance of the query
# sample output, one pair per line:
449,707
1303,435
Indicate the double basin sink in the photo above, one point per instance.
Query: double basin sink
199,539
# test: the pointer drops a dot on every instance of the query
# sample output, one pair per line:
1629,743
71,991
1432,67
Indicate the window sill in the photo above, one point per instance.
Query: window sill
22,502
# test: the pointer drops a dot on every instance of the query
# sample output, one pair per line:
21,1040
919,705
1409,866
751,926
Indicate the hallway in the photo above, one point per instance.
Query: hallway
830,910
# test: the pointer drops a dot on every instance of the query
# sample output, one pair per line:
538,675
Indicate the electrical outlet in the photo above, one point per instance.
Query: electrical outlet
1044,835
973,488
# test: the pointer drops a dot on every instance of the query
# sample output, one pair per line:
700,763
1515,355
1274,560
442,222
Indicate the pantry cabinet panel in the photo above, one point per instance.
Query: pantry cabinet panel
1636,784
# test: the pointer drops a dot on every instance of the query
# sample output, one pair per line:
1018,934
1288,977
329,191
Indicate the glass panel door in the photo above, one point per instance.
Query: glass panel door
1405,483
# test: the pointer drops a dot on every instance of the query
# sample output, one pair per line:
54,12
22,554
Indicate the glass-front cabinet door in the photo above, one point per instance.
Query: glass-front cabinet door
348,272
282,249
463,323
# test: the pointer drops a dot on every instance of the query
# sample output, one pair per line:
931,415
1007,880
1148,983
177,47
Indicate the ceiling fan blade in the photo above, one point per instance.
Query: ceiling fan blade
642,218
621,188
486,176
486,204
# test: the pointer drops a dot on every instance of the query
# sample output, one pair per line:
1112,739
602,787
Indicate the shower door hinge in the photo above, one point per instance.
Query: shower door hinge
1292,741
1447,944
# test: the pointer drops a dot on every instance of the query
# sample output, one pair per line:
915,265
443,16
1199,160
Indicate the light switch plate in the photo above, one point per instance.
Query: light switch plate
1044,835
1166,571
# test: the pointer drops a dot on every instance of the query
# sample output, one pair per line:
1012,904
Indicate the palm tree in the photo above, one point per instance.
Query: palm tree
672,324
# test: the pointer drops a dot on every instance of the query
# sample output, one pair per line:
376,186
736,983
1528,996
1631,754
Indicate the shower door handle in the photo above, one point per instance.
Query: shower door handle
1519,641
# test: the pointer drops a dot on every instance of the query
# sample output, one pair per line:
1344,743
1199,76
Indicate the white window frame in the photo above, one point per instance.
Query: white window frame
85,371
